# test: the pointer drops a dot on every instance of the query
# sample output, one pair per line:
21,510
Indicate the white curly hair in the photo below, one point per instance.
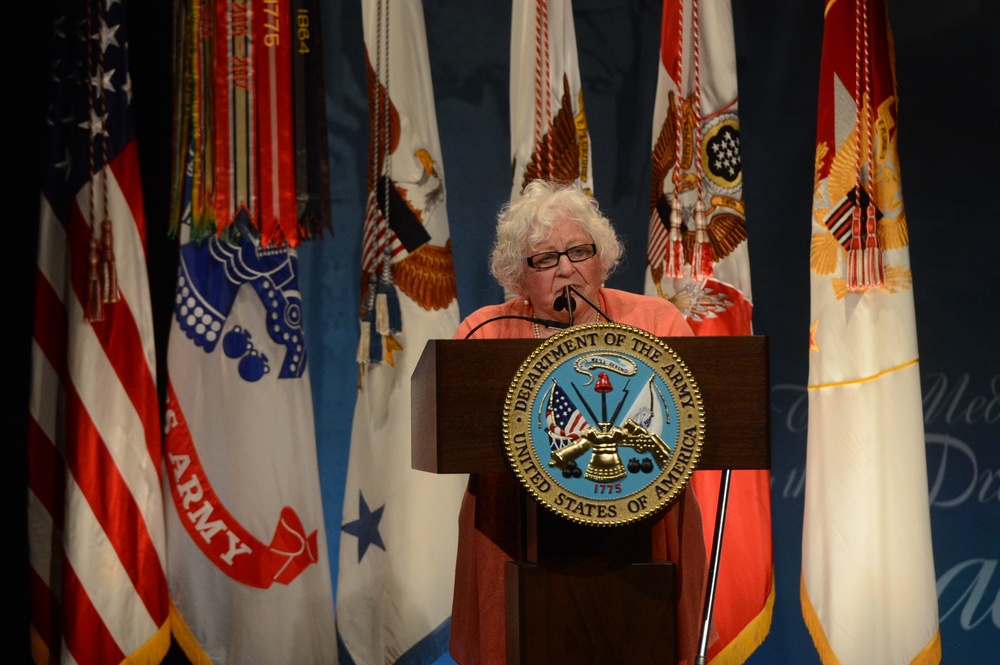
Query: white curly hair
526,221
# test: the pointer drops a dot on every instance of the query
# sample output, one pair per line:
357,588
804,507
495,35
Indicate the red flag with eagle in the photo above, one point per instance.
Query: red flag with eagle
248,564
548,127
698,259
400,526
95,511
868,587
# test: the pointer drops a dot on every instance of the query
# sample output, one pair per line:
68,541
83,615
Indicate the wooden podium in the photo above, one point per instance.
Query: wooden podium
583,594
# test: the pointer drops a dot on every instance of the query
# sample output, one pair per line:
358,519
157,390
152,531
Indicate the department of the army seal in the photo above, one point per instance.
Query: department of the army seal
604,424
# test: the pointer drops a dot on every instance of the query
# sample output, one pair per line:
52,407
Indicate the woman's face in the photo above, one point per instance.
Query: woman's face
542,287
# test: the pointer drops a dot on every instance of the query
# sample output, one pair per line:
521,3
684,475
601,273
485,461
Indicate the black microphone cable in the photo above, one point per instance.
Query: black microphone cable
564,301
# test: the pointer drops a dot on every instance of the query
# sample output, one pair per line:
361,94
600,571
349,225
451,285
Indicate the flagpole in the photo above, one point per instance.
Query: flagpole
713,570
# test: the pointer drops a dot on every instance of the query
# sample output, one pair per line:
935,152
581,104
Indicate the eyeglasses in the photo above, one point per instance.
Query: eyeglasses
547,260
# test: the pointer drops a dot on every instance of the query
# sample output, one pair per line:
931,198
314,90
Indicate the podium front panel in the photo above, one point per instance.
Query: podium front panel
459,388
573,614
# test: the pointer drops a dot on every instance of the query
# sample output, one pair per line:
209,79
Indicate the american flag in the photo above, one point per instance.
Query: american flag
95,512
564,420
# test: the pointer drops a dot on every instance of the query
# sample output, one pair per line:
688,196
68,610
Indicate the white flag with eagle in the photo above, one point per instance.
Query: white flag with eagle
400,526
548,127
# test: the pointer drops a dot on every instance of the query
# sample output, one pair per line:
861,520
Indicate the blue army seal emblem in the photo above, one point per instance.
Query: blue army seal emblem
604,424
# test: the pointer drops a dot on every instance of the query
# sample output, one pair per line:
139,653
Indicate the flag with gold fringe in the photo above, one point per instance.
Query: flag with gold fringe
697,257
248,569
549,136
400,526
95,510
868,586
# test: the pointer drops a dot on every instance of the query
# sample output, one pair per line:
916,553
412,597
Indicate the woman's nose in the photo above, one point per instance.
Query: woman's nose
565,266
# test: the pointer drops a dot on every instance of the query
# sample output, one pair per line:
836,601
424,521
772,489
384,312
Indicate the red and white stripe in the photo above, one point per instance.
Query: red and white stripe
95,505
656,249
374,238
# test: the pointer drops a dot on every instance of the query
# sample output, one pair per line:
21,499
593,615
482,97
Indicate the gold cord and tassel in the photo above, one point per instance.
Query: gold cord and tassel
108,272
94,308
102,274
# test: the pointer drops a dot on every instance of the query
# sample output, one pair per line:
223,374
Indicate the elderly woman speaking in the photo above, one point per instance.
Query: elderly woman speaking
554,250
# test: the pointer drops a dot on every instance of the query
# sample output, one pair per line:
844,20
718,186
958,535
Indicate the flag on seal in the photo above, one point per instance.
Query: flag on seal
648,409
400,526
868,585
95,511
563,419
697,257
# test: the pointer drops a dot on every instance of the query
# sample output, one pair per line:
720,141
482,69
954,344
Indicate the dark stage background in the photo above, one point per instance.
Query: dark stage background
949,143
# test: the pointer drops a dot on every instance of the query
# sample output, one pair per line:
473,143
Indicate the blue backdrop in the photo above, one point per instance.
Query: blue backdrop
949,145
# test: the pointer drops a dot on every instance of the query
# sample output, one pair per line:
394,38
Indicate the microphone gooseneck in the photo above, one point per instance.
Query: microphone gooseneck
565,301
533,319
570,287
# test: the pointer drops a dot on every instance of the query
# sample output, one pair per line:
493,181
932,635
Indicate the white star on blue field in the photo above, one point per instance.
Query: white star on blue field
365,528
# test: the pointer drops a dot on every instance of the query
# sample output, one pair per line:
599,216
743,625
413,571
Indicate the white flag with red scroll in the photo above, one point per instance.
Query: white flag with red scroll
248,570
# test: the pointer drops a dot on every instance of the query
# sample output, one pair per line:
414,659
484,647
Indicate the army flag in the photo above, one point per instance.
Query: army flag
697,258
868,585
249,570
548,126
95,511
400,526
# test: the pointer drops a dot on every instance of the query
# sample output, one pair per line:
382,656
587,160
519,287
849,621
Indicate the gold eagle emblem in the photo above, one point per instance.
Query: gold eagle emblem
556,157
426,273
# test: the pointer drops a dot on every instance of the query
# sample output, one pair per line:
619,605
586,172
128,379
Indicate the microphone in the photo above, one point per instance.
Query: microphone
565,301
560,303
